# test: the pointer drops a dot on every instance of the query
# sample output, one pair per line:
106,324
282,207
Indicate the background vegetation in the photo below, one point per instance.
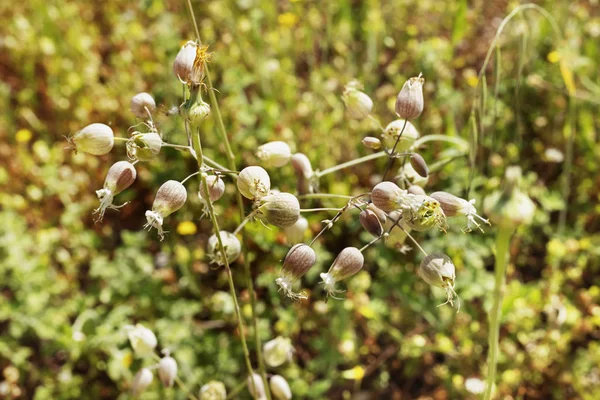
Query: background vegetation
68,286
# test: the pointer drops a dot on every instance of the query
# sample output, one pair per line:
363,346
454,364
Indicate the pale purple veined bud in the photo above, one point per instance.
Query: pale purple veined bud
278,351
358,104
120,176
438,270
171,196
298,261
392,131
347,263
142,105
422,213
274,154
213,390
96,139
419,165
370,221
141,381
414,189
142,340
304,173
198,112
256,387
231,245
379,212
454,206
280,388
254,183
279,209
144,146
167,370
387,196
296,232
216,188
409,103
371,142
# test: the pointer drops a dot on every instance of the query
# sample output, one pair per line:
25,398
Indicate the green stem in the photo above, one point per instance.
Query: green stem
350,163
502,243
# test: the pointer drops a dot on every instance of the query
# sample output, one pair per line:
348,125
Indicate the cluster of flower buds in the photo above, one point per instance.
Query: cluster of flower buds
171,196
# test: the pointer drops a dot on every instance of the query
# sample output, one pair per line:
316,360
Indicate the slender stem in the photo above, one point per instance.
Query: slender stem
323,196
391,153
372,118
175,146
397,224
122,139
189,176
307,210
245,221
502,243
441,138
366,246
350,163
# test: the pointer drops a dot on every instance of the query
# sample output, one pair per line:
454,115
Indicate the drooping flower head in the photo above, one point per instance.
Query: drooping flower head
347,263
171,196
454,206
438,270
297,262
119,177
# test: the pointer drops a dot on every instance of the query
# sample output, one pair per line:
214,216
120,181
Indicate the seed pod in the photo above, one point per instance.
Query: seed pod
358,104
141,381
120,176
254,183
369,220
392,131
278,351
198,112
298,261
279,209
274,154
184,62
213,390
171,196
167,370
216,188
386,196
371,143
438,270
144,146
454,206
96,139
295,233
231,245
142,105
142,340
280,388
419,165
256,387
347,263
409,104
414,189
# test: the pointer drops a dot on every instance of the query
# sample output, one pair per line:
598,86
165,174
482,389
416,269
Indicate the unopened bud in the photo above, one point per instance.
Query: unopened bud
295,233
371,143
414,189
419,165
279,209
143,341
347,263
409,104
144,146
280,388
274,154
231,245
96,139
386,196
213,390
392,131
171,196
120,176
142,105
167,370
358,104
278,351
256,387
297,262
454,206
254,183
438,270
216,188
370,221
141,381
198,112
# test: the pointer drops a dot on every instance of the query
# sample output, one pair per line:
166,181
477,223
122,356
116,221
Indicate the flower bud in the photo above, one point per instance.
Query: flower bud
299,259
419,165
144,146
119,177
358,104
278,351
454,206
213,390
392,131
279,209
386,196
254,183
347,263
96,139
371,143
280,388
216,188
304,173
370,221
141,381
143,341
231,245
422,213
295,233
142,105
414,189
274,154
256,387
171,196
409,103
167,370
438,270
198,112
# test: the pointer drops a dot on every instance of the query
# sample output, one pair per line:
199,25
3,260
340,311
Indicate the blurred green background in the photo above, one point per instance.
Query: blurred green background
68,286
